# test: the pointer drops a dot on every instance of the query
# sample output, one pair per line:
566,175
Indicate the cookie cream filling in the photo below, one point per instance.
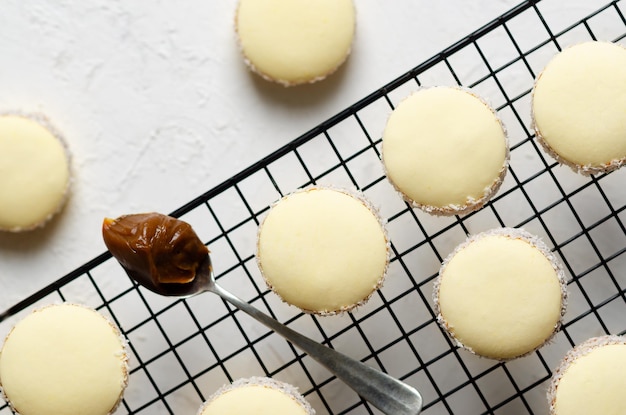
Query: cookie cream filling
63,359
295,41
579,106
259,396
35,173
592,379
322,250
445,150
501,294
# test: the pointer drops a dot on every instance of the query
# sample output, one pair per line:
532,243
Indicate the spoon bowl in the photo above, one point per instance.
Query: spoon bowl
389,395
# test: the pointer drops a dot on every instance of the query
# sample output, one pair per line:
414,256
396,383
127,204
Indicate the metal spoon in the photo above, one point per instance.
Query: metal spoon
389,395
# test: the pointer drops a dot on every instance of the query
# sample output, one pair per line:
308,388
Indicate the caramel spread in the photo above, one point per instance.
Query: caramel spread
155,247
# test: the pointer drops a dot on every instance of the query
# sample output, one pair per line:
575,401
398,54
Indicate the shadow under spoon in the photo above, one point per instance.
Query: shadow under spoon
386,393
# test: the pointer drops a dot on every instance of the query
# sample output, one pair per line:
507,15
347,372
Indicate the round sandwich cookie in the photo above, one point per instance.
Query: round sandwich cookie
579,107
323,250
591,378
64,359
34,171
297,41
259,396
445,150
501,294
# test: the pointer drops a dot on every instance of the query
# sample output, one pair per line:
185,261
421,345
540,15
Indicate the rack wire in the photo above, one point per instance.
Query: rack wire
183,350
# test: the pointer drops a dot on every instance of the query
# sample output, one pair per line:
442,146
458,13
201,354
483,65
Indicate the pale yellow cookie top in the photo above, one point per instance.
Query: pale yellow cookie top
322,250
35,173
295,41
259,396
579,105
499,295
593,382
65,360
445,150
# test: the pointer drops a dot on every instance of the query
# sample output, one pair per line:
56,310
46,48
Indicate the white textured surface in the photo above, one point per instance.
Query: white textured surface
158,107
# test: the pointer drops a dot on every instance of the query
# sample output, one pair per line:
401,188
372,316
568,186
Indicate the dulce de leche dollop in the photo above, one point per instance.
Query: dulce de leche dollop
156,247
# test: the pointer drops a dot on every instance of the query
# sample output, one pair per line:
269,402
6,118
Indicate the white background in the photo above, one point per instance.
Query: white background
158,107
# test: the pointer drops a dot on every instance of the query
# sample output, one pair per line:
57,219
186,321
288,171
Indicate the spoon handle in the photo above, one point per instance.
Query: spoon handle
389,395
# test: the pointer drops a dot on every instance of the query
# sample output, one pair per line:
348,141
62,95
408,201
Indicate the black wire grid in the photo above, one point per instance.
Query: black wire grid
181,351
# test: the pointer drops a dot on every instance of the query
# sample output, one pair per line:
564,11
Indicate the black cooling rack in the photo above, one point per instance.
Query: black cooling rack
183,350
